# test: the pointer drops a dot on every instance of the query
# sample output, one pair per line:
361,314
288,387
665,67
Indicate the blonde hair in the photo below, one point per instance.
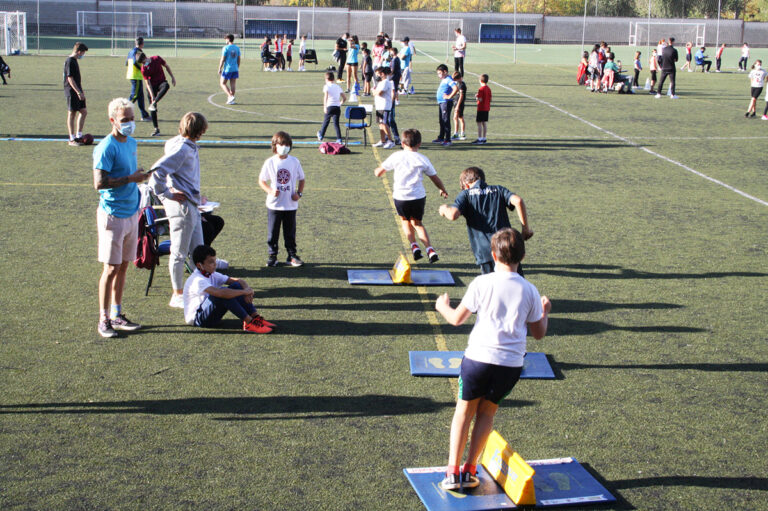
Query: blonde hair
192,125
117,105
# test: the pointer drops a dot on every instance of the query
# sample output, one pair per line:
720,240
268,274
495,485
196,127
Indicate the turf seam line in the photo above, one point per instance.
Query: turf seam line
423,294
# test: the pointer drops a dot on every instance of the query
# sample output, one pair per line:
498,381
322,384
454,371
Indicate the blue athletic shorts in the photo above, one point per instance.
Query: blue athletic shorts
493,382
232,75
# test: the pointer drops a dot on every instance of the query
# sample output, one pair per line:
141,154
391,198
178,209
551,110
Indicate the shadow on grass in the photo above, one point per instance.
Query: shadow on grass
737,367
567,326
608,271
727,483
266,408
570,306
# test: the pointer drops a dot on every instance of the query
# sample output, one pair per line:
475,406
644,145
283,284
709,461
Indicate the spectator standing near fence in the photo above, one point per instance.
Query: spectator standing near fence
75,95
115,174
459,51
719,57
229,68
133,73
668,68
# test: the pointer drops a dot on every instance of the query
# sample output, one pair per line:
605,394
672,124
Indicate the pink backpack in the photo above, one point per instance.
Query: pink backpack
334,148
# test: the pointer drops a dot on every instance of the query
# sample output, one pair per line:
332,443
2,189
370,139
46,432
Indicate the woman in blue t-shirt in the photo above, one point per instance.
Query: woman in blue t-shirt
354,50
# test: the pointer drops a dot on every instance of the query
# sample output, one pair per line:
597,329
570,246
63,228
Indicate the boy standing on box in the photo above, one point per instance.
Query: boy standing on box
408,191
484,207
282,178
507,307
483,97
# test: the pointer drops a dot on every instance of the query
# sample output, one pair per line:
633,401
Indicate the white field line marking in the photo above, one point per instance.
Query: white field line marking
227,107
628,142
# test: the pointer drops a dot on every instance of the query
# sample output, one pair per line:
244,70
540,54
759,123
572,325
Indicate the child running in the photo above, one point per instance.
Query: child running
507,307
332,101
206,300
757,80
409,166
282,178
483,98
458,110
157,85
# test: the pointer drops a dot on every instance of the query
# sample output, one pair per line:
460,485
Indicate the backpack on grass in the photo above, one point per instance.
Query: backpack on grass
334,148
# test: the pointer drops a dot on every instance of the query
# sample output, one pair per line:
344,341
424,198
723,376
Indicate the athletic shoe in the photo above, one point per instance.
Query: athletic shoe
256,326
451,482
455,136
294,261
432,256
412,91
339,81
477,141
765,117
438,141
120,322
753,114
378,144
658,95
339,141
231,101
75,142
483,141
469,481
462,136
177,301
319,137
674,97
447,143
105,328
156,133
146,119
397,141
388,145
152,107
417,254
272,261
264,321
221,264
397,102
746,114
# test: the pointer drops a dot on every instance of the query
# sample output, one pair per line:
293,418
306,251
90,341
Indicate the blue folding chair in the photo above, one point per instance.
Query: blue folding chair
356,116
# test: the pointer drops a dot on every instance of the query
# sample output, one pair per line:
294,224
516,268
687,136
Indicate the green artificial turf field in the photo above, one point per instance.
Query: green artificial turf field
650,238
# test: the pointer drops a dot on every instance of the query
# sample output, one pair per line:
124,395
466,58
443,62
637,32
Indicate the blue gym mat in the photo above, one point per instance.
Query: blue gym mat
447,363
558,482
382,278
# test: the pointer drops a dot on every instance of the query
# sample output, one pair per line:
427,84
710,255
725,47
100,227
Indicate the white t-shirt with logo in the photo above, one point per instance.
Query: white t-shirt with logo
409,168
334,94
461,42
504,302
383,102
757,77
194,292
283,176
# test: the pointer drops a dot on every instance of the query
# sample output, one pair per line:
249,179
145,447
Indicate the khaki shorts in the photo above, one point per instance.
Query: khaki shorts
118,237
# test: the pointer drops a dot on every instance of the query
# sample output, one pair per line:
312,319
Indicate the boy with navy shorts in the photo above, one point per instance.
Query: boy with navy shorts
507,307
229,67
408,191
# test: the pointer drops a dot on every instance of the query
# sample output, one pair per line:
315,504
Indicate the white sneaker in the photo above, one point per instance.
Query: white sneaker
231,100
177,301
764,118
388,145
674,97
397,102
152,108
658,96
378,144
221,264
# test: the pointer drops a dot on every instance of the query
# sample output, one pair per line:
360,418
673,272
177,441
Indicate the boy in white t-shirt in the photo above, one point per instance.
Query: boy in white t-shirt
507,307
408,191
333,98
382,102
206,300
282,178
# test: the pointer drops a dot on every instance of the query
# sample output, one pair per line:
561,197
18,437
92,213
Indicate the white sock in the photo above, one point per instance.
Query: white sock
71,137
79,134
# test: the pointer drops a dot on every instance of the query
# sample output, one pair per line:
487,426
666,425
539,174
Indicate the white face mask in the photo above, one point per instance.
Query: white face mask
126,128
757,66
282,150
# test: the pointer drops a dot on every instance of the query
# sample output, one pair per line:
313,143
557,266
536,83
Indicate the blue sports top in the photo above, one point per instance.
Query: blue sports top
119,159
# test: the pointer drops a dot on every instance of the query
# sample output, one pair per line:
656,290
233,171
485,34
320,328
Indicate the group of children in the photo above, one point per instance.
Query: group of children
277,53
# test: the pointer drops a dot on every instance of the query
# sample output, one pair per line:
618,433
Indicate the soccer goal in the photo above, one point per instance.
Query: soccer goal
14,38
118,24
426,29
644,32
331,23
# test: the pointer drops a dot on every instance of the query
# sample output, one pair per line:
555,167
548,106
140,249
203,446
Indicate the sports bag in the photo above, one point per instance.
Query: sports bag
146,249
334,148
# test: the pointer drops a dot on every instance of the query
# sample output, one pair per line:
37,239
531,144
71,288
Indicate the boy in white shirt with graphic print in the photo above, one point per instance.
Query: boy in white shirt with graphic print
282,178
507,307
408,190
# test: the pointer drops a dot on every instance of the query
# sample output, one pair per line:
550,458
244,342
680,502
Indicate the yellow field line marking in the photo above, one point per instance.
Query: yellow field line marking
423,294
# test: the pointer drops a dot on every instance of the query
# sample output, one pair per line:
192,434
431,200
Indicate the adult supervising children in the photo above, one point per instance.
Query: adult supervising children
507,307
229,67
446,91
459,51
133,73
73,91
484,207
157,84
668,68
115,174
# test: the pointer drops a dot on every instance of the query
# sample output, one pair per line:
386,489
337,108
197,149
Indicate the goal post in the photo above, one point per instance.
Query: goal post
119,24
331,23
426,29
644,32
14,36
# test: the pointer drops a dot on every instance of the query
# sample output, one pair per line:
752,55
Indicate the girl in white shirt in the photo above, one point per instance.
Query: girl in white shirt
757,80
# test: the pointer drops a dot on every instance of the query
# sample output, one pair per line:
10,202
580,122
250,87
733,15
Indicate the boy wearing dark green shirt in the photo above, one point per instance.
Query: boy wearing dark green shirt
484,208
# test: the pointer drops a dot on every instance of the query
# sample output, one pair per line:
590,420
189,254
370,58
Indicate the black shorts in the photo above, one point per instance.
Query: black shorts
492,382
482,116
368,77
382,116
411,209
653,76
688,57
74,104
460,109
756,91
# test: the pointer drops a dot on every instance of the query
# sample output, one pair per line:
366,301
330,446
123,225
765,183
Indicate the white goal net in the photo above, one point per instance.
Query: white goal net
14,36
426,29
332,23
643,32
117,24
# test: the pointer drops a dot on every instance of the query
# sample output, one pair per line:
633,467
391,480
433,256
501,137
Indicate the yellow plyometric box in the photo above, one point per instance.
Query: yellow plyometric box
401,272
509,470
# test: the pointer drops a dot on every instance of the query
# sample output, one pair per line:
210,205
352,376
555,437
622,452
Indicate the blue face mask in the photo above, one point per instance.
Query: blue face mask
79,57
127,128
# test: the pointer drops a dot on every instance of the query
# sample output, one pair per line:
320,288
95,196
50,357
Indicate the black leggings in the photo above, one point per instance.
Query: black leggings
212,226
158,92
637,77
458,65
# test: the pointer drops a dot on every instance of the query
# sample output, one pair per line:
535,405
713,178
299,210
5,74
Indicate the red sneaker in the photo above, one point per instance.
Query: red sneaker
256,326
265,322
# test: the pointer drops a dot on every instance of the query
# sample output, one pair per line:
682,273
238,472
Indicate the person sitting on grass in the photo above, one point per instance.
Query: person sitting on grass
507,307
408,191
206,300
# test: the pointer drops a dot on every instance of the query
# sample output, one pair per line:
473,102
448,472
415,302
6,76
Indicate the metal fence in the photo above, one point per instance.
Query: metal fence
53,25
